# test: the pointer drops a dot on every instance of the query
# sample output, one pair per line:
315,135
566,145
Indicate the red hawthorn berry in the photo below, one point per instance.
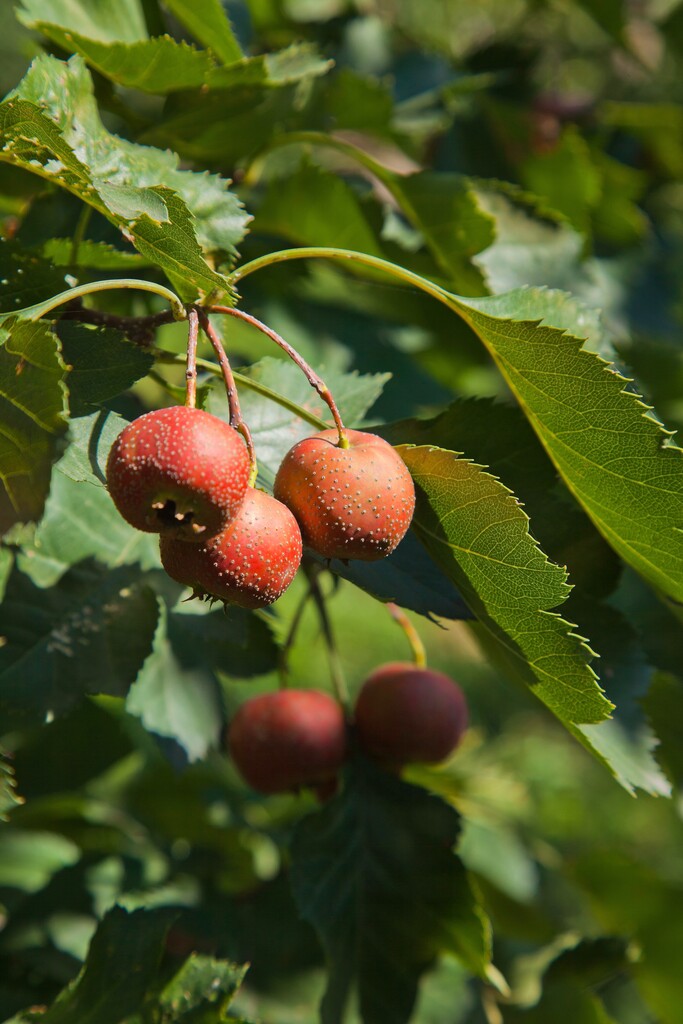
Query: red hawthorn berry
281,741
250,563
180,472
354,502
407,714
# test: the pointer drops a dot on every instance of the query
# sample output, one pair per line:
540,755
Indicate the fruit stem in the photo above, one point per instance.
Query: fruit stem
236,420
336,671
191,371
311,376
252,385
412,636
283,659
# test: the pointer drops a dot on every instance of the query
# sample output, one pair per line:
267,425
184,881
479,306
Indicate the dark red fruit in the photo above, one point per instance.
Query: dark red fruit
281,741
180,472
250,563
406,714
354,502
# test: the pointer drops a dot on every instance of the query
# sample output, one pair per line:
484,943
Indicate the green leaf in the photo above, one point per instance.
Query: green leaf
102,364
104,41
88,634
96,255
232,641
314,207
618,462
121,964
445,209
32,412
25,278
209,24
474,528
52,127
200,992
90,438
97,19
29,859
81,522
378,862
177,700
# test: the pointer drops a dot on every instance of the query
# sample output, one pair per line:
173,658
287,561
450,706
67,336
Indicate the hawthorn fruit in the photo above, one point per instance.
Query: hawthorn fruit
406,714
354,502
250,563
281,741
179,472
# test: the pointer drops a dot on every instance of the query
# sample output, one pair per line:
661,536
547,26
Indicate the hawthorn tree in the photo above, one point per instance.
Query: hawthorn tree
448,235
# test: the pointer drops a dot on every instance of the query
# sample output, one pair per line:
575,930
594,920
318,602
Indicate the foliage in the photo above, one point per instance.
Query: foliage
467,217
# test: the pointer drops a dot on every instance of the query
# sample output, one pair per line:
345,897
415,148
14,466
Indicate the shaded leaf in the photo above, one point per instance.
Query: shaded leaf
378,861
102,364
662,706
8,794
200,992
175,700
121,964
32,408
26,278
88,634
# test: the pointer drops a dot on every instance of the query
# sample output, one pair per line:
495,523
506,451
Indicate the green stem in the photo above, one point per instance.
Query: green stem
348,256
79,233
336,671
283,658
251,385
41,308
412,636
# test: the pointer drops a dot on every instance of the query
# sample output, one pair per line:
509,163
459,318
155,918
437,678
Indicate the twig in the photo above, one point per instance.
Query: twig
140,329
191,370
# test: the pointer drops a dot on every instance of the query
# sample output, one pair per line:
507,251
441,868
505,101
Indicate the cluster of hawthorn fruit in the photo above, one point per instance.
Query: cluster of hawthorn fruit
189,476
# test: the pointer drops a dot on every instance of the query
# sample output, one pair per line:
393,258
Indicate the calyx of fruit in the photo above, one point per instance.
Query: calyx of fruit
354,502
281,741
406,714
250,563
180,472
